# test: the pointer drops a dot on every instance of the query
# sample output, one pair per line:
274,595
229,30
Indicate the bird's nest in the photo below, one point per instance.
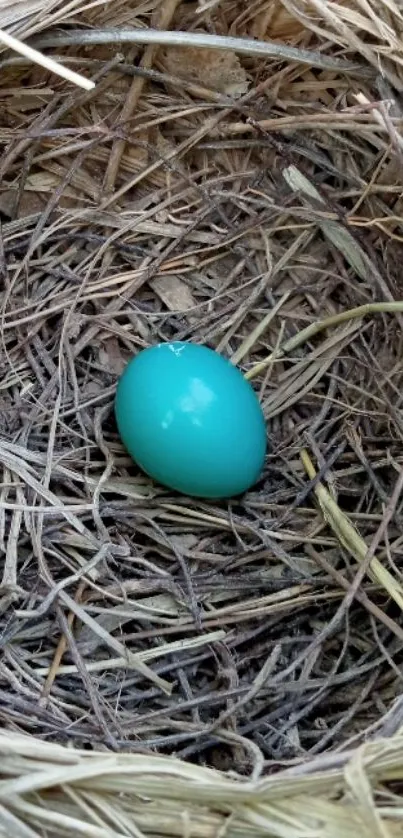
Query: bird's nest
172,667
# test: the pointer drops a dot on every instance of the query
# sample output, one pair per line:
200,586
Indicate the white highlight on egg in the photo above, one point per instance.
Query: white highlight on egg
177,350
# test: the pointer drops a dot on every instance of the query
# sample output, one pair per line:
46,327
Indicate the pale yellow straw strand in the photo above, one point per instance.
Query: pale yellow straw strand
45,61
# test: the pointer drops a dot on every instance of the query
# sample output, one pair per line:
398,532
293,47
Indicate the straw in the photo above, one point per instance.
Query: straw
175,667
44,61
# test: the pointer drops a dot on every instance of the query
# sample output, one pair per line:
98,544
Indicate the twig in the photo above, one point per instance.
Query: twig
87,681
61,648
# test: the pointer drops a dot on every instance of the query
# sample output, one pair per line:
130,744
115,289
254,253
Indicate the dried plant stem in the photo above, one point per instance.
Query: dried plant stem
261,327
61,647
242,46
182,207
320,325
44,61
350,538
165,15
362,597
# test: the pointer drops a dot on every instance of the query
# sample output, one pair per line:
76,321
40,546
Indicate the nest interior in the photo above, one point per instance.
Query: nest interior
251,204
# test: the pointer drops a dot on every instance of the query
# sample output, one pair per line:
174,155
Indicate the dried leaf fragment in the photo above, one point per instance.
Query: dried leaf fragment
176,295
220,70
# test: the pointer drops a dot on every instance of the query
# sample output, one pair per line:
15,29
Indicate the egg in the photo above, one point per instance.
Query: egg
191,421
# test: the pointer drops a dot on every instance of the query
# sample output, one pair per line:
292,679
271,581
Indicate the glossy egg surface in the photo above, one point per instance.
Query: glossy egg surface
191,421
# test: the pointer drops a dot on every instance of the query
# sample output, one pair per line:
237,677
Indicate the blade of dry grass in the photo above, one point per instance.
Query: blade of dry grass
349,537
44,61
257,208
282,806
315,328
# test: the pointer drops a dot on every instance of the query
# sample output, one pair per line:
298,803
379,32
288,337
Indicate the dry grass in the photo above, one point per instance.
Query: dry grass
252,202
66,792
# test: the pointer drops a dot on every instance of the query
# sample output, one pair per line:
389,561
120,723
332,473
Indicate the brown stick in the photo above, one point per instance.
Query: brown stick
60,650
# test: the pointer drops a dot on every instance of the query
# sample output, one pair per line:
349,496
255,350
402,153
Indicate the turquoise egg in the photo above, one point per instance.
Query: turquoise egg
191,421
